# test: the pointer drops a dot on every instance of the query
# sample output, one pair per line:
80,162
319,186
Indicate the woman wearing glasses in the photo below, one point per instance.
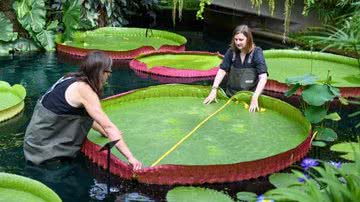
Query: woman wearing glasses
69,109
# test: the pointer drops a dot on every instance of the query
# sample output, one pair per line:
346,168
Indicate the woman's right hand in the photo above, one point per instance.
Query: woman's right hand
211,97
137,165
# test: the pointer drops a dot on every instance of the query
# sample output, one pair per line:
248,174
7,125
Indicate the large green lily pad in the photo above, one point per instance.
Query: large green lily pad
282,64
183,60
15,188
12,100
123,39
156,118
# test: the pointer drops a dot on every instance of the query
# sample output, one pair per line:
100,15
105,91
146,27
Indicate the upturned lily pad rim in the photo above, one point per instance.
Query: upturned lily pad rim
24,184
199,174
280,86
121,54
188,72
15,107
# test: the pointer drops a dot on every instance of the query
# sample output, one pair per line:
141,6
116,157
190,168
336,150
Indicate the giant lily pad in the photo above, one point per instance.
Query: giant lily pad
283,64
122,43
178,64
15,188
12,100
181,194
181,140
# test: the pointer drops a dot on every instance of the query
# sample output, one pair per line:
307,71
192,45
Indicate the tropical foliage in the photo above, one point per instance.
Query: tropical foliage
316,180
341,29
328,181
316,99
42,19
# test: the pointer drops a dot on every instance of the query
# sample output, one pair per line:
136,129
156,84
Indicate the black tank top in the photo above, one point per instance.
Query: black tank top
55,100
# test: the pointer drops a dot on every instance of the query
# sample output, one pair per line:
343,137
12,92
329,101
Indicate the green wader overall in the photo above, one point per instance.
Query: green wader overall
51,135
242,78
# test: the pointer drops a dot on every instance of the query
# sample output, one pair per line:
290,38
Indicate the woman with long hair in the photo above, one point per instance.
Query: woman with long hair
245,65
68,110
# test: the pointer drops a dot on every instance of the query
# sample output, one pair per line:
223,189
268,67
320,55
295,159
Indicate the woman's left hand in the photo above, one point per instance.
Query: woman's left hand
254,105
137,165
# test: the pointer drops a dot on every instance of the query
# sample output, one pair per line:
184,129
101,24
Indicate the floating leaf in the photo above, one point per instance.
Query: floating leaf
12,100
182,194
18,188
246,196
283,179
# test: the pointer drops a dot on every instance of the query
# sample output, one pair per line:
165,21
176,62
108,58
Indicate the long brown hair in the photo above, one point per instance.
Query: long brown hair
92,70
245,30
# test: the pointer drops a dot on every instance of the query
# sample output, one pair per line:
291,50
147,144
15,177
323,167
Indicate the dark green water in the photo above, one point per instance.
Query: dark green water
82,180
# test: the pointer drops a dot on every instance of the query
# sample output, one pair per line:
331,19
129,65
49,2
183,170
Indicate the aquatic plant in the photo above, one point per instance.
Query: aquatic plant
12,100
15,188
316,98
198,194
326,182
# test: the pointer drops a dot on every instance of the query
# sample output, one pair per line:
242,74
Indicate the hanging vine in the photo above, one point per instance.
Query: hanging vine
257,5
202,4
271,4
287,8
177,4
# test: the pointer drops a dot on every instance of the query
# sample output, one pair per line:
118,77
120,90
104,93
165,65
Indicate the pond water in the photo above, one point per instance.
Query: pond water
84,181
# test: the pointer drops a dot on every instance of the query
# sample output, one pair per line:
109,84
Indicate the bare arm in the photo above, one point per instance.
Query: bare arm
98,128
91,102
218,78
254,106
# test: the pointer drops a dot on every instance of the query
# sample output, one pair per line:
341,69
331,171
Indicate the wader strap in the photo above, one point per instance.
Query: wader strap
249,59
54,85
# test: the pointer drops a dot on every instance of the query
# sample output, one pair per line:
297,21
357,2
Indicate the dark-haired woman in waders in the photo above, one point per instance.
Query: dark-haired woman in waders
246,66
69,109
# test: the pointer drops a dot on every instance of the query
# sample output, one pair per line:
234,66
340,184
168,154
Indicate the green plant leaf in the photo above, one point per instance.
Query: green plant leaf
335,91
318,143
348,147
31,14
307,79
46,39
292,90
246,196
317,95
71,17
52,25
343,101
6,29
315,114
326,134
349,169
181,194
333,116
284,180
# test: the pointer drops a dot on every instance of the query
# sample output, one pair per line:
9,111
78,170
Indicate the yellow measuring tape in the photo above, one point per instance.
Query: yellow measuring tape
191,132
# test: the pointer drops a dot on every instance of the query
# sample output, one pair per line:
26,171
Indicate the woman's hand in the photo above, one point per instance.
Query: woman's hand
254,105
211,97
137,165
